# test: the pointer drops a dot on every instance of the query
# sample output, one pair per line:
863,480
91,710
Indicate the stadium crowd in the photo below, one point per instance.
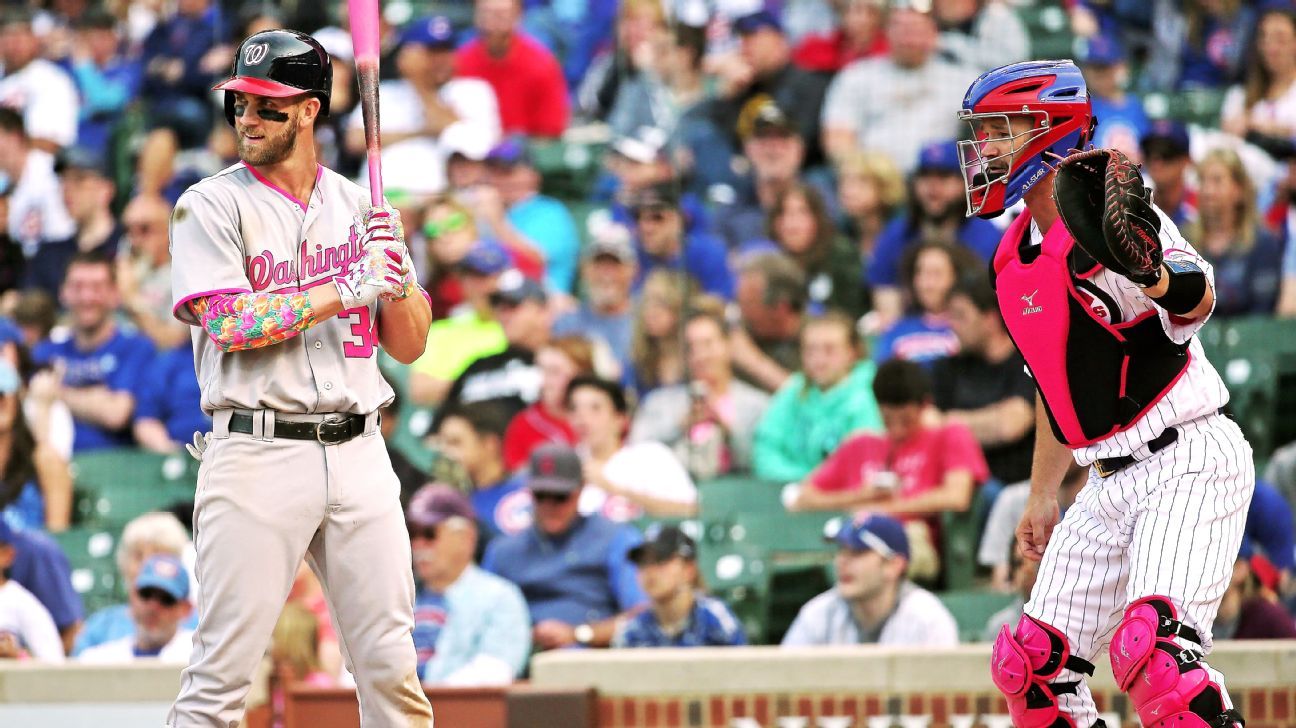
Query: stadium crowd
750,259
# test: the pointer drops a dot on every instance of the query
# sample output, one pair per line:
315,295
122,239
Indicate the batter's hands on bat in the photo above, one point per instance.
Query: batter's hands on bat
1036,526
382,226
378,271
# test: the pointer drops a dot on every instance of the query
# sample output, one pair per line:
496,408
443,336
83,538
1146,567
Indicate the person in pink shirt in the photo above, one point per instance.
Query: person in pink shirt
920,468
527,79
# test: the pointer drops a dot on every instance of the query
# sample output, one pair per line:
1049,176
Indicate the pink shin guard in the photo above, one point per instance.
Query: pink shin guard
1022,666
1167,684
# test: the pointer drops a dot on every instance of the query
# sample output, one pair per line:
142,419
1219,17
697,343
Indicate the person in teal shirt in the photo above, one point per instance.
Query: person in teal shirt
818,407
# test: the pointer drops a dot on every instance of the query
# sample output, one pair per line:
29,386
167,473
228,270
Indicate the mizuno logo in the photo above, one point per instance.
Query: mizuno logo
1030,299
1030,306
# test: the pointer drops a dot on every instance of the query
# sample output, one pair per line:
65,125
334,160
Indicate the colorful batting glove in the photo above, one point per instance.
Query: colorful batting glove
409,279
378,271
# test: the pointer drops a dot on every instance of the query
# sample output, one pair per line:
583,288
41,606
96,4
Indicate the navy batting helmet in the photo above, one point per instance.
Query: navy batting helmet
279,63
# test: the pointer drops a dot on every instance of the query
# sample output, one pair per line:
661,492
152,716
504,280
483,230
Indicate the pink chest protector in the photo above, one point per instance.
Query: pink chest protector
1096,378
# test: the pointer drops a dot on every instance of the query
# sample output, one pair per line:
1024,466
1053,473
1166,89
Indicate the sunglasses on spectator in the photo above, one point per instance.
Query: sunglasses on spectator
503,302
652,214
149,594
452,223
546,497
427,533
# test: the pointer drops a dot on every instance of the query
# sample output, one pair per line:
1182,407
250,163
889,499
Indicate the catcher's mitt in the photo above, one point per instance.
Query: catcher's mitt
1104,205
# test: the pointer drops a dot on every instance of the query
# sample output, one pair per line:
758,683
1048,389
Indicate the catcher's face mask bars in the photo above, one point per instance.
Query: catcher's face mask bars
993,132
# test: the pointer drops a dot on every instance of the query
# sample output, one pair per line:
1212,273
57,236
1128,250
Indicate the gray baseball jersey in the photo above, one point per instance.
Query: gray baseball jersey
236,232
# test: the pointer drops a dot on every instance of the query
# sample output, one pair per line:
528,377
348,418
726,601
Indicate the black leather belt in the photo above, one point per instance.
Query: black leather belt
328,432
1108,466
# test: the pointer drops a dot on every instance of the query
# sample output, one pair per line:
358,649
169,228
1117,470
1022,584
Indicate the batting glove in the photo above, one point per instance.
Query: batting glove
378,271
409,279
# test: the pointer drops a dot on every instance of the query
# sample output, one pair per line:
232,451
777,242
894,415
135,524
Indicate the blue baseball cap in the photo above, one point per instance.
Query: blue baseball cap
873,532
748,24
164,572
1165,138
1099,50
939,156
509,152
486,258
433,32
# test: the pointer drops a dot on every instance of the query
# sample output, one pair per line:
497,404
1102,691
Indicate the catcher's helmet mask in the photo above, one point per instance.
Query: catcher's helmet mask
279,63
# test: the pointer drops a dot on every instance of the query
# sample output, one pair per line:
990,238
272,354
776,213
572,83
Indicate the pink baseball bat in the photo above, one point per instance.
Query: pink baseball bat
364,41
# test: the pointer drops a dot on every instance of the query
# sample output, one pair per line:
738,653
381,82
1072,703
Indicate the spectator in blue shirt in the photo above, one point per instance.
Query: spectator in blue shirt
1121,120
168,403
512,211
662,242
107,79
42,568
679,615
572,569
99,365
607,313
473,436
937,211
923,335
470,626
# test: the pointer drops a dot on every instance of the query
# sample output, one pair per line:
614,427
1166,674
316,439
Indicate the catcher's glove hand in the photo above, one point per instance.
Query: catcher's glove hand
1104,205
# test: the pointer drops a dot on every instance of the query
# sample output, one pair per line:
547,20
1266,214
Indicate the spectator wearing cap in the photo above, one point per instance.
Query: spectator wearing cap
985,385
144,271
159,604
36,213
709,420
872,601
87,193
920,467
559,361
573,569
1121,120
107,79
98,367
1250,609
606,312
182,58
635,162
830,398
772,299
937,211
763,71
662,241
527,79
898,103
680,614
1166,162
980,34
1271,531
473,437
511,210
42,91
510,376
1264,105
470,626
147,535
623,481
26,627
471,329
856,34
428,111
36,485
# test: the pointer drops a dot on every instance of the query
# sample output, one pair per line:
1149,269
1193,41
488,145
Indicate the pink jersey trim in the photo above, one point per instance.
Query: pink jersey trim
319,172
183,305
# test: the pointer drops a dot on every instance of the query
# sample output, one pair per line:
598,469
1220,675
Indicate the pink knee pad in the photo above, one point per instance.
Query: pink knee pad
1022,666
1166,683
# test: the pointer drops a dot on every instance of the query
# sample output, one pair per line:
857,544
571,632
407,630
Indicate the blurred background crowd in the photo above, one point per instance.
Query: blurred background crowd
705,294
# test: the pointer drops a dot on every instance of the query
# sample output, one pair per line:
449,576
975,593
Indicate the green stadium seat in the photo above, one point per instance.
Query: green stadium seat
1049,29
123,483
738,574
972,609
961,535
1257,359
724,497
91,553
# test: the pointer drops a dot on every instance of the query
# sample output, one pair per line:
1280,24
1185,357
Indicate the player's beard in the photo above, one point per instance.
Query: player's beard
273,147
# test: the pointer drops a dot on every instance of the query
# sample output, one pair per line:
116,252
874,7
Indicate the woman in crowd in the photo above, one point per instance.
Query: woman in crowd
1265,104
1247,257
799,224
546,421
623,481
923,335
668,88
450,232
817,407
640,24
656,345
294,653
870,191
35,482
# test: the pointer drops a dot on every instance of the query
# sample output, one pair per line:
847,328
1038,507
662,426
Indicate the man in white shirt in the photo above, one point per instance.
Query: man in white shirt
159,603
25,625
872,602
42,91
428,113
36,210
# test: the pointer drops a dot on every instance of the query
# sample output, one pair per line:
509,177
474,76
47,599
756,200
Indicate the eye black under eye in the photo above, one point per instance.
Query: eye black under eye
272,115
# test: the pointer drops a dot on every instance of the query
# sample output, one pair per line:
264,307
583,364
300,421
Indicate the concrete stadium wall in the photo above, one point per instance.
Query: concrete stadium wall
862,687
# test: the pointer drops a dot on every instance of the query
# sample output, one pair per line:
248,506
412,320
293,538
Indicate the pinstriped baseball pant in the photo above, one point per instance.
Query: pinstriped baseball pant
1169,525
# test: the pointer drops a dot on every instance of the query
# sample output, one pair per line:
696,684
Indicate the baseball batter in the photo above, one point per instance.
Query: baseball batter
291,294
1103,296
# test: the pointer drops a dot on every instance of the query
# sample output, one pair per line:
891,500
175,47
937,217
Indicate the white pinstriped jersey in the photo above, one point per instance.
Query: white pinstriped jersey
1198,392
